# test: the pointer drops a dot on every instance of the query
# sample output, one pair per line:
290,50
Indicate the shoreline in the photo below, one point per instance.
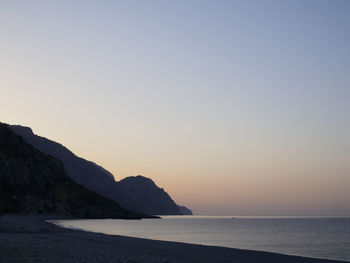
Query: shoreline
30,238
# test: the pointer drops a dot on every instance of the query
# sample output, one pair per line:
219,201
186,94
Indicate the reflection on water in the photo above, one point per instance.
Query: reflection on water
313,237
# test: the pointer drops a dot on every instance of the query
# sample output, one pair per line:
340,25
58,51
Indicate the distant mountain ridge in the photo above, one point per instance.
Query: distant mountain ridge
33,182
137,193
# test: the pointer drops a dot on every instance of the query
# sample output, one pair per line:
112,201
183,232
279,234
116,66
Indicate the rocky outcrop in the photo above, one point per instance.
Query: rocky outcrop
144,195
33,182
137,193
185,211
84,172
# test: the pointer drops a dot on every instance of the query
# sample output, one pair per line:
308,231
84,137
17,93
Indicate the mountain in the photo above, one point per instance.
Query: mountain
142,194
135,188
84,172
33,182
185,211
137,193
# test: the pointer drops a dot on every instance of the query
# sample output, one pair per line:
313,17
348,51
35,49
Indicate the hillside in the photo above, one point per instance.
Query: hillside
135,188
136,193
33,182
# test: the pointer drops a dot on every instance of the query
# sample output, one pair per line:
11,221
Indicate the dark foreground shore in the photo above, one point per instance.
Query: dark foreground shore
31,239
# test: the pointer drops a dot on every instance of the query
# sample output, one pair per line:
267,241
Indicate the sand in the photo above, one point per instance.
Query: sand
26,238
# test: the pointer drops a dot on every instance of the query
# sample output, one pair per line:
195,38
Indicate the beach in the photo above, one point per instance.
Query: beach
30,238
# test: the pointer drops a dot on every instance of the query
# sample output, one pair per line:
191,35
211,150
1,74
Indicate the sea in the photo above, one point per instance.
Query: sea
318,237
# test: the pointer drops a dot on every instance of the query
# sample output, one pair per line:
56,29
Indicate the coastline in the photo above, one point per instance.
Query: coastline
29,238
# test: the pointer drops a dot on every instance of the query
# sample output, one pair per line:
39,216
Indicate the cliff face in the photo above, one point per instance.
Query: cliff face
33,182
84,172
144,195
185,211
136,193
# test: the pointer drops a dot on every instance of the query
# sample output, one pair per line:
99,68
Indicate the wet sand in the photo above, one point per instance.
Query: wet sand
26,238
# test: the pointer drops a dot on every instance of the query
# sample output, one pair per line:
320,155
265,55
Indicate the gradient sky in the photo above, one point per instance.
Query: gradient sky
234,107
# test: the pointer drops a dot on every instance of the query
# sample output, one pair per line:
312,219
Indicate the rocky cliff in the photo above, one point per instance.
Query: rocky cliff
84,172
33,182
185,211
136,193
139,192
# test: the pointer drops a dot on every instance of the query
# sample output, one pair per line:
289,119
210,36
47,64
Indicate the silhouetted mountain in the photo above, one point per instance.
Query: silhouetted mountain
136,193
142,194
33,182
84,172
185,211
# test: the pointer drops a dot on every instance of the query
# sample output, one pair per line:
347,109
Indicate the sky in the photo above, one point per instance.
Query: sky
233,107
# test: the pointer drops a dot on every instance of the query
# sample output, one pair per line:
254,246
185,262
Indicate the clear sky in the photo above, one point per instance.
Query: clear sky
234,107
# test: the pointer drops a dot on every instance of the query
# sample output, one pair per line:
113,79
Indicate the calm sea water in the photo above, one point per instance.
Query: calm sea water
312,237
